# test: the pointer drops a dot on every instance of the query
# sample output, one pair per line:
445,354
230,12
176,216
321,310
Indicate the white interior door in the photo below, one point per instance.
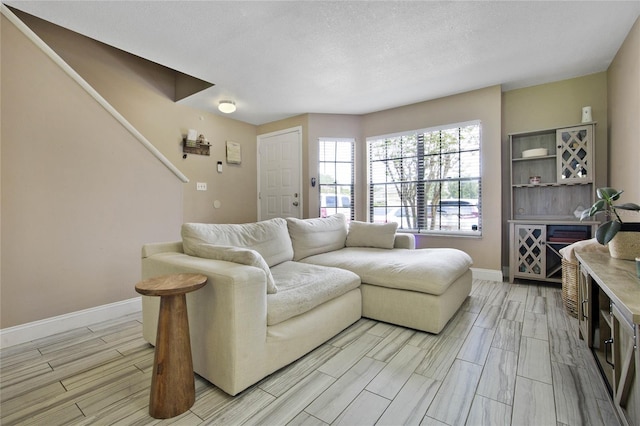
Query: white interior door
279,174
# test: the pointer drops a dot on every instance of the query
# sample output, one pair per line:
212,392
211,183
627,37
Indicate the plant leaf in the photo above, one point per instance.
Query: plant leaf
628,206
607,231
598,206
608,193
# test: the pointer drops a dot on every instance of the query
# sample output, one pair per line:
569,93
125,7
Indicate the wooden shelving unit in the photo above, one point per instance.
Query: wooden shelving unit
543,213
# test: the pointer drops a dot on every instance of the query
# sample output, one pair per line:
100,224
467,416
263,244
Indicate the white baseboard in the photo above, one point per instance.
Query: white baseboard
35,330
486,274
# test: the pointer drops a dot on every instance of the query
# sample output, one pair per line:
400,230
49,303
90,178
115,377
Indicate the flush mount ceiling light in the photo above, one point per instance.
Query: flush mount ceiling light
227,106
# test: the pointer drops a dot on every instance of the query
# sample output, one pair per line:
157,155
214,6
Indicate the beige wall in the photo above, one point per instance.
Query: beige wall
315,126
481,105
623,78
143,93
80,195
66,247
548,106
558,104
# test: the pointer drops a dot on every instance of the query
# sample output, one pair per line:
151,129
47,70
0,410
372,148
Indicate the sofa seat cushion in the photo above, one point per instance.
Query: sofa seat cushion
424,270
302,287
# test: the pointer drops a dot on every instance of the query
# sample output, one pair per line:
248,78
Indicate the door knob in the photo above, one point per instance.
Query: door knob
295,203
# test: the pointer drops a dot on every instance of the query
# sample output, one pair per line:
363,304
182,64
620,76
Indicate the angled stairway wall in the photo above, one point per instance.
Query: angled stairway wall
80,194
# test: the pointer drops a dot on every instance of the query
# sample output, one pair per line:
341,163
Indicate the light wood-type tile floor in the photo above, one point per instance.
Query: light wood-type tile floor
509,356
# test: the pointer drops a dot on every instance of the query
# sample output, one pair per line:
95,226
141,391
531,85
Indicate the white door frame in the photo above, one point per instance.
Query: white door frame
298,130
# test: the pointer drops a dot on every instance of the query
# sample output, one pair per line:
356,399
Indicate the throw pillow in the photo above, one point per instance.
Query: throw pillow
315,236
378,235
240,255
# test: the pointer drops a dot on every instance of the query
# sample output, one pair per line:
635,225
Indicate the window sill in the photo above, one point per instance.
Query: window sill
454,234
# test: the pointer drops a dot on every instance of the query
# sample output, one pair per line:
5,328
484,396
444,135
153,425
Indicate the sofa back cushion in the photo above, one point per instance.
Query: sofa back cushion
377,235
243,256
315,236
270,238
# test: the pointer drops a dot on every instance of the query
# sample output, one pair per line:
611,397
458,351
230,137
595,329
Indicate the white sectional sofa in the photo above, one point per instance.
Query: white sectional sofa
279,288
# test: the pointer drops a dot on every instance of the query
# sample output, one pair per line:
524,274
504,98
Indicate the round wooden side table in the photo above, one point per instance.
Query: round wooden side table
172,384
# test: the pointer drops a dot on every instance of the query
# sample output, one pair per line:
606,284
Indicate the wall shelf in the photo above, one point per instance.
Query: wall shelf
542,157
199,148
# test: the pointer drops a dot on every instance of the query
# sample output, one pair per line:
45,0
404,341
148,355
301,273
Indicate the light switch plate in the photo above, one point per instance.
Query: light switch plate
201,186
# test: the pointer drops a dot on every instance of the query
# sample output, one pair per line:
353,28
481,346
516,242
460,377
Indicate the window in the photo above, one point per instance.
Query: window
427,180
335,169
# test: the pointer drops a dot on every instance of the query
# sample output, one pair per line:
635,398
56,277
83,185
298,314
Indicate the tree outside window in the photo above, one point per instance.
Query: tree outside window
427,180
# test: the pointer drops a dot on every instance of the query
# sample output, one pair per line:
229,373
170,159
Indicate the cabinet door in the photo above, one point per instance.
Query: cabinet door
574,154
626,395
584,304
530,256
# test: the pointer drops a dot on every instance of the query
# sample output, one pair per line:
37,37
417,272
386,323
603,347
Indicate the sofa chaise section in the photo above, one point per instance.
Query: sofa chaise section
420,289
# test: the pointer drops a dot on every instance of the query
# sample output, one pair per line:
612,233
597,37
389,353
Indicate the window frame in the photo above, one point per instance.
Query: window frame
420,201
335,162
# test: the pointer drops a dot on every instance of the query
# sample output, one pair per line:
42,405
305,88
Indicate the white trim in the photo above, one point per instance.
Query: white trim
38,329
427,130
90,90
486,274
352,141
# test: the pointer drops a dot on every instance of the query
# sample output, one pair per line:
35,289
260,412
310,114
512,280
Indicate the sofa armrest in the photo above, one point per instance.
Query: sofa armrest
150,249
405,241
227,317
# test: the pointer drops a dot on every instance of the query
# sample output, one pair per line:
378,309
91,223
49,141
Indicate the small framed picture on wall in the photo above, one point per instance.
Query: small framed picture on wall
234,153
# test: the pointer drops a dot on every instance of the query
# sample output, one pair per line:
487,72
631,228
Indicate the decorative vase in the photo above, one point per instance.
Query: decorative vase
626,244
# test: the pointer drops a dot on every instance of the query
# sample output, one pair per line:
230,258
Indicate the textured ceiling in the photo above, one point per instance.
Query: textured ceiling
278,59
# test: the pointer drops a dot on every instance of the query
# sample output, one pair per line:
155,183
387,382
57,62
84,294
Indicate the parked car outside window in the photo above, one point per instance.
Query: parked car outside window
332,204
450,215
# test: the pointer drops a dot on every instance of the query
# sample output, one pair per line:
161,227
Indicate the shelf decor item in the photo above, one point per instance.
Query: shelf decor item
234,153
191,140
535,152
623,238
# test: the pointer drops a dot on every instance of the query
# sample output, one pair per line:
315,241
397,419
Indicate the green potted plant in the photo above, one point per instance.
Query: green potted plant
626,245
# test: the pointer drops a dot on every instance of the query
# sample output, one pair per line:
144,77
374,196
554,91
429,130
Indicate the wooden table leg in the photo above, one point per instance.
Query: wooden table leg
172,384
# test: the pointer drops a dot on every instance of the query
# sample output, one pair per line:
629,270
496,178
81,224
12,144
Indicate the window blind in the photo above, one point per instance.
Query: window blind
427,180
